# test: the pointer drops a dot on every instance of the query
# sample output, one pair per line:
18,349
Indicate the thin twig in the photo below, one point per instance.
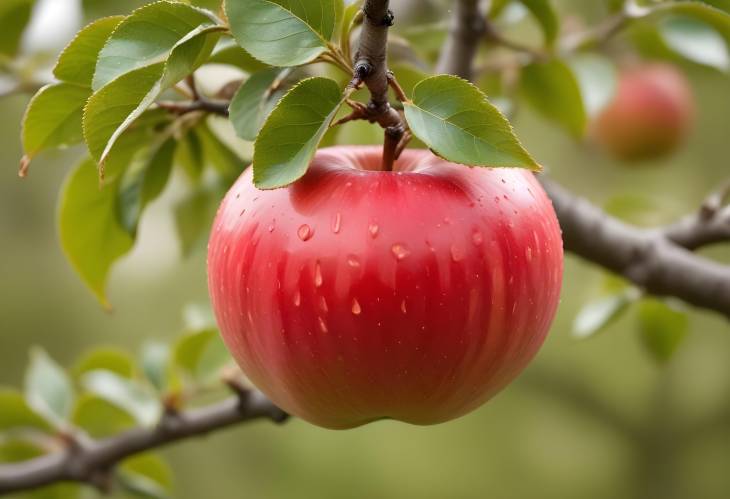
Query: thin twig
371,68
219,108
90,462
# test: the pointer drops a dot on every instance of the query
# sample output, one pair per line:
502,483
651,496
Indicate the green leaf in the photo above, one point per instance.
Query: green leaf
251,105
16,413
189,349
201,355
283,32
14,16
723,5
15,450
597,315
111,359
661,328
455,119
696,41
230,53
543,12
111,110
699,11
147,475
77,62
347,25
100,418
552,89
125,394
190,155
212,361
597,78
289,138
157,366
143,182
91,236
427,39
193,217
146,130
67,490
146,37
408,76
53,118
219,155
48,389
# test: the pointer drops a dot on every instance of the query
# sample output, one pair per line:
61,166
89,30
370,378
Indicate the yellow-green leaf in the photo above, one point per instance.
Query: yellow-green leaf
48,389
53,118
77,62
147,37
553,90
91,236
14,16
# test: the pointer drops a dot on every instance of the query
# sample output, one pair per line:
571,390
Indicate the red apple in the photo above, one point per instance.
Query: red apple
355,294
650,115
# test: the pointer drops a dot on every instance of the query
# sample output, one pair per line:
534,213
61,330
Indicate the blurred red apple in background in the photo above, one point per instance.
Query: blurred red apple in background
650,115
355,294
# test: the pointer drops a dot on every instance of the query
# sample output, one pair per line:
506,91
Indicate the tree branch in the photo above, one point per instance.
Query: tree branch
219,108
468,27
710,225
371,68
92,462
648,258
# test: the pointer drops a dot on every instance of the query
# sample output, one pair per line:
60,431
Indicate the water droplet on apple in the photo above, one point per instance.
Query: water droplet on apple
528,253
322,325
305,232
297,299
353,261
337,223
457,253
403,307
477,238
242,212
272,226
373,229
356,308
323,304
318,275
399,251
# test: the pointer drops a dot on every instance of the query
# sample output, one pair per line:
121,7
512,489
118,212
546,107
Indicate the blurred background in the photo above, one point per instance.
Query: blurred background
596,418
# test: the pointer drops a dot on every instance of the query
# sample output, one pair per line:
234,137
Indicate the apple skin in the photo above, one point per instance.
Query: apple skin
650,115
355,295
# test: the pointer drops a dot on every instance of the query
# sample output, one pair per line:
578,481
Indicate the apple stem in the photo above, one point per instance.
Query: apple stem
371,69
